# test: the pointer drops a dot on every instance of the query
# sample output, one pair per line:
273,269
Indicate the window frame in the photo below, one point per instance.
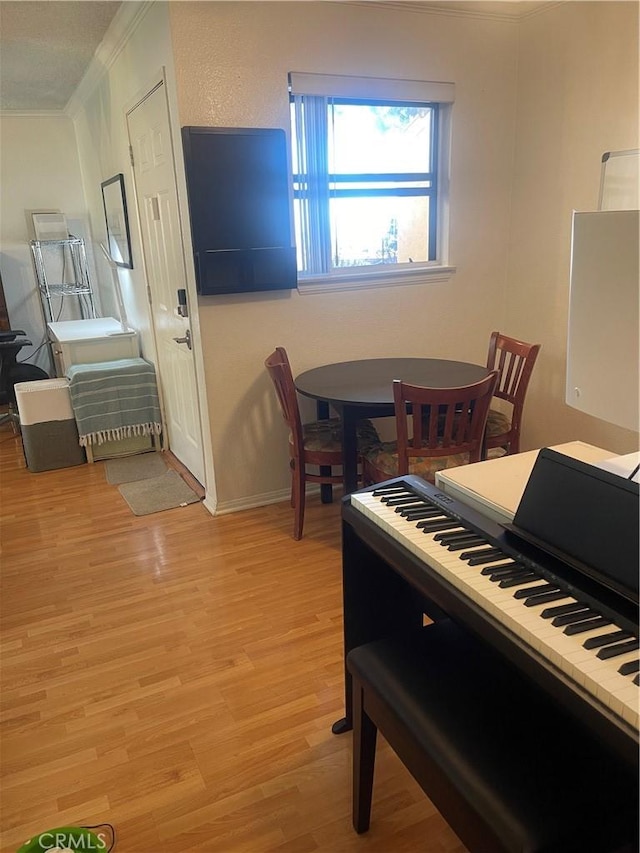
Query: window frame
436,268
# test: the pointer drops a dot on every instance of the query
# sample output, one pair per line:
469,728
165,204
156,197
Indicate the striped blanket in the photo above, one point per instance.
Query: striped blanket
112,400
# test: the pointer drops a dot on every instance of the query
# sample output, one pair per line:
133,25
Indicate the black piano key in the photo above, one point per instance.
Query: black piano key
636,680
402,500
433,526
426,513
445,538
630,667
587,625
491,570
537,600
476,552
390,490
413,514
487,551
466,543
618,649
550,612
535,590
517,580
606,639
437,513
411,506
498,572
577,616
495,556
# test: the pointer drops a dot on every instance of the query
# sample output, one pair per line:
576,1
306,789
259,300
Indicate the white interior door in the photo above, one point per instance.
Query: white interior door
157,198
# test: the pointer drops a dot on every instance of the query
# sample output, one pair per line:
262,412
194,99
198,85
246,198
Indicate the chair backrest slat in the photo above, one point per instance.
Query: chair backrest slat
514,360
442,420
279,370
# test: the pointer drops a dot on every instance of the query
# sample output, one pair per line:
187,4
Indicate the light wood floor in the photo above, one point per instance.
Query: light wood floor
177,675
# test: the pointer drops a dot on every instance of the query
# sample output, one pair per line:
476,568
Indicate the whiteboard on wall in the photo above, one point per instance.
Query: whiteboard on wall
603,341
620,180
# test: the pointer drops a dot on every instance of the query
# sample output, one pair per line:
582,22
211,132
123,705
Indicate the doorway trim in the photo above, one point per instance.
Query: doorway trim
162,78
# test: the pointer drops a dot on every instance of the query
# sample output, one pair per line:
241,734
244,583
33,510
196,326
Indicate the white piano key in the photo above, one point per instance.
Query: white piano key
566,652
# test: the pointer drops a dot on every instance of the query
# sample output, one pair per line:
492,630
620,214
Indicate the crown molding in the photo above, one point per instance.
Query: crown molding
427,8
33,114
124,23
552,4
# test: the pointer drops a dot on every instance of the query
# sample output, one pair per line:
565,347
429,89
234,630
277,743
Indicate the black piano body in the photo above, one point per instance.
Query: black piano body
388,587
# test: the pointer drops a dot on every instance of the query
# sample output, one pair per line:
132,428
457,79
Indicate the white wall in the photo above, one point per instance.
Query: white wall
537,103
231,64
39,170
101,128
577,98
137,55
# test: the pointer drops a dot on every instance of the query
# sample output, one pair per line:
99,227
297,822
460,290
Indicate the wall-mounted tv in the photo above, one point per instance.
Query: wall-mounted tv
238,187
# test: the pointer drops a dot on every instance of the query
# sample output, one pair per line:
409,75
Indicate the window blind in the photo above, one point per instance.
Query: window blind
373,88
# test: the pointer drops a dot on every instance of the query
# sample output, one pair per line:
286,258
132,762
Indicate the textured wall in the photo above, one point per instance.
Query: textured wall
39,171
537,103
577,98
231,64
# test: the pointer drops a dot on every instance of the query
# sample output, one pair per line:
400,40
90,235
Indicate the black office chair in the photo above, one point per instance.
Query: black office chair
12,371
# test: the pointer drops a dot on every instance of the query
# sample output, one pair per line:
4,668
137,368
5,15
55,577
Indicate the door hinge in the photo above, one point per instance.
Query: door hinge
149,297
131,155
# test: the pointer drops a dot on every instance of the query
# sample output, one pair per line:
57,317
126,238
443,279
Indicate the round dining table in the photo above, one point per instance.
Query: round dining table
364,389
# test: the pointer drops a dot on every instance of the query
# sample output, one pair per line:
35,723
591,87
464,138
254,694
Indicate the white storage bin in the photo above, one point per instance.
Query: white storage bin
48,426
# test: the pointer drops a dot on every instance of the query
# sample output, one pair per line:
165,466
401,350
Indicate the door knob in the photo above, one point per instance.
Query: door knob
186,340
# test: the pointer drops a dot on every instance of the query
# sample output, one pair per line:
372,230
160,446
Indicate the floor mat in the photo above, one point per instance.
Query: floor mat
128,469
157,494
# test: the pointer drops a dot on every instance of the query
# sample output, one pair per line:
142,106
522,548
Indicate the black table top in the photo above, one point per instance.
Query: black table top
368,382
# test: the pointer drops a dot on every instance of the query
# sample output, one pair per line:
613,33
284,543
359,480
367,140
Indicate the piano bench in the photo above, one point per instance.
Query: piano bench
504,765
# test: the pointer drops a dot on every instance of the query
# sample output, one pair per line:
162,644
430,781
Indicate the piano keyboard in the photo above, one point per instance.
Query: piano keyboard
587,647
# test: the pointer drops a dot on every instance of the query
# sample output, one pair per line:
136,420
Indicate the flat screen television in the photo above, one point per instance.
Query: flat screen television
238,188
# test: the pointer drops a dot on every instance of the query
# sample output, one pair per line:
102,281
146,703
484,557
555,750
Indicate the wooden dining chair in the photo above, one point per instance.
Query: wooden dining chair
443,429
313,444
514,361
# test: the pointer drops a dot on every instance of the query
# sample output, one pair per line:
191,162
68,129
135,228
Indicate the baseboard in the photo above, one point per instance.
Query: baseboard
254,501
251,502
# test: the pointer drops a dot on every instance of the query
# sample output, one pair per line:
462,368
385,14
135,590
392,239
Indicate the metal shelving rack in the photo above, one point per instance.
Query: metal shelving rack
61,271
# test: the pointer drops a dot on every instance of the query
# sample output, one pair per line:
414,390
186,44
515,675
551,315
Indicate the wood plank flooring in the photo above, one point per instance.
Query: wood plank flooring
176,675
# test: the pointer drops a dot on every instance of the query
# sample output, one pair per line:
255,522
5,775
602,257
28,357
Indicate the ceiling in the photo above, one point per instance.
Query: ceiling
46,45
45,49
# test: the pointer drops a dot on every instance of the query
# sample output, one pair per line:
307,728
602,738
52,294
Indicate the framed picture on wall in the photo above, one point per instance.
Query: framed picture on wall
115,214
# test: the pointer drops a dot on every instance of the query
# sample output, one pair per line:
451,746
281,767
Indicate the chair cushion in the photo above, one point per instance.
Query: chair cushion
368,437
385,459
496,452
497,423
326,435
322,435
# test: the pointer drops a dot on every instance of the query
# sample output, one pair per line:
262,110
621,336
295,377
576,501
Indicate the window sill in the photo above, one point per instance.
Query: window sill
387,278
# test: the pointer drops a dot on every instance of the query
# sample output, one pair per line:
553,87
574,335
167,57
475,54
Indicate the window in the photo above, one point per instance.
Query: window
369,187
